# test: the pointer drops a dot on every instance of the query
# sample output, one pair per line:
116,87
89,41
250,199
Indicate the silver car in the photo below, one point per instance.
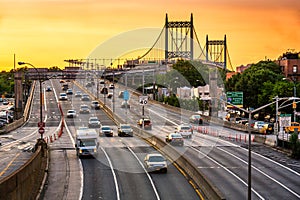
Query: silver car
155,162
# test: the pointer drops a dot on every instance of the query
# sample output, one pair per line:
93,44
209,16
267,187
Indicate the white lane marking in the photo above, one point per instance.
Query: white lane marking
149,177
289,169
279,183
230,172
45,105
113,172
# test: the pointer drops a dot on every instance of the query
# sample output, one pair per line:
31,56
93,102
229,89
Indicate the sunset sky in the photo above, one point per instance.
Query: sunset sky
46,32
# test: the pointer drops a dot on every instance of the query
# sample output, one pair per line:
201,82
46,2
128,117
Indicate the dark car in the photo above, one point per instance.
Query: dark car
147,123
175,139
125,130
5,102
196,119
48,89
69,92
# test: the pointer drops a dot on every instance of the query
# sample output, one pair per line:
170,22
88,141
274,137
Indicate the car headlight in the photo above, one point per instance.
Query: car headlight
80,150
95,150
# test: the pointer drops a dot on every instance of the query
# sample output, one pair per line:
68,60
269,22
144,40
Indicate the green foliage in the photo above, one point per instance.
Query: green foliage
295,145
257,83
6,83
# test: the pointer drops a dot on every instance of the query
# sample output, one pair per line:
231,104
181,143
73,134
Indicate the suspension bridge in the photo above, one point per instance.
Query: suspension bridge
176,40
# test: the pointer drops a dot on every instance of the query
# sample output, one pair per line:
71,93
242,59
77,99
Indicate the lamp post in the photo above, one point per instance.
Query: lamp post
250,112
41,94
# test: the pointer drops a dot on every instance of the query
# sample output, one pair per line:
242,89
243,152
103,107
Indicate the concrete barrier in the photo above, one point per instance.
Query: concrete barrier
26,181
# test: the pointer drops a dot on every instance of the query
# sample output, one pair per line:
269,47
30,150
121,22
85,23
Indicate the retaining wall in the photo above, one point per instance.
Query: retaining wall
26,181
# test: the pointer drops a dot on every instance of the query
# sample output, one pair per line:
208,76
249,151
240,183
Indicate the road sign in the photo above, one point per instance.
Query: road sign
126,95
41,124
285,120
235,98
143,100
41,130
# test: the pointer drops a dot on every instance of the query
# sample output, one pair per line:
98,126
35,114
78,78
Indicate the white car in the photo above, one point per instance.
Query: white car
185,130
155,162
106,130
63,96
84,109
71,114
94,122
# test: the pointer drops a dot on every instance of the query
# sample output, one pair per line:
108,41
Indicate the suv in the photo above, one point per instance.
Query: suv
95,105
125,130
155,162
63,96
185,130
175,139
84,109
94,122
147,123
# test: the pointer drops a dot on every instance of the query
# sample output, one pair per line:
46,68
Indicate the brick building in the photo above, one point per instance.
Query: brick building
290,65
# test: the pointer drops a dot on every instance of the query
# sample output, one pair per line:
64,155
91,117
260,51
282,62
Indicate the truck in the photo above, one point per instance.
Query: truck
86,142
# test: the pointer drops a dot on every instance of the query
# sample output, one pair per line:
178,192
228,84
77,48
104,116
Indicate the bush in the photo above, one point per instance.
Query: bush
295,145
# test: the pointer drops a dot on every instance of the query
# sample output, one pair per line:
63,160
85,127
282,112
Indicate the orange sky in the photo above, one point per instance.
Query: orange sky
46,32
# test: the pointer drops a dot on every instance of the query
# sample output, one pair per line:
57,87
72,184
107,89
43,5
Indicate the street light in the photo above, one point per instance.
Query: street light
41,94
250,112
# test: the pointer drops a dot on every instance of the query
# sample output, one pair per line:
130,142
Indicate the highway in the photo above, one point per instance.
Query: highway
117,171
224,162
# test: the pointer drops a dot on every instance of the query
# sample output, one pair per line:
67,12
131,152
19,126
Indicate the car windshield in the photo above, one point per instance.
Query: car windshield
197,116
71,111
105,128
84,107
176,136
87,142
63,94
94,120
125,127
185,128
156,159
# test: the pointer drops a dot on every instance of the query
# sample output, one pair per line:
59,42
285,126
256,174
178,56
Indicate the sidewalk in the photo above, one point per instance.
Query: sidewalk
64,174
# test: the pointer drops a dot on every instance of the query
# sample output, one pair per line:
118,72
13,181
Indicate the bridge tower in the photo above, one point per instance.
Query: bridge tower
180,44
216,51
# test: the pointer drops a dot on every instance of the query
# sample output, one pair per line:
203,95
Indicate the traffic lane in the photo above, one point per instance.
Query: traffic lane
172,185
98,178
283,181
219,176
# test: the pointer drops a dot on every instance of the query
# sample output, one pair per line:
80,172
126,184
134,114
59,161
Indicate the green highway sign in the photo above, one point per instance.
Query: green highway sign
235,98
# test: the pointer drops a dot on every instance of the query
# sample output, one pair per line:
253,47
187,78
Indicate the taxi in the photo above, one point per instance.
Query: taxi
294,125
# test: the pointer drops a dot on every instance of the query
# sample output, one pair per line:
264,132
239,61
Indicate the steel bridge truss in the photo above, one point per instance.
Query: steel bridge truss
181,41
